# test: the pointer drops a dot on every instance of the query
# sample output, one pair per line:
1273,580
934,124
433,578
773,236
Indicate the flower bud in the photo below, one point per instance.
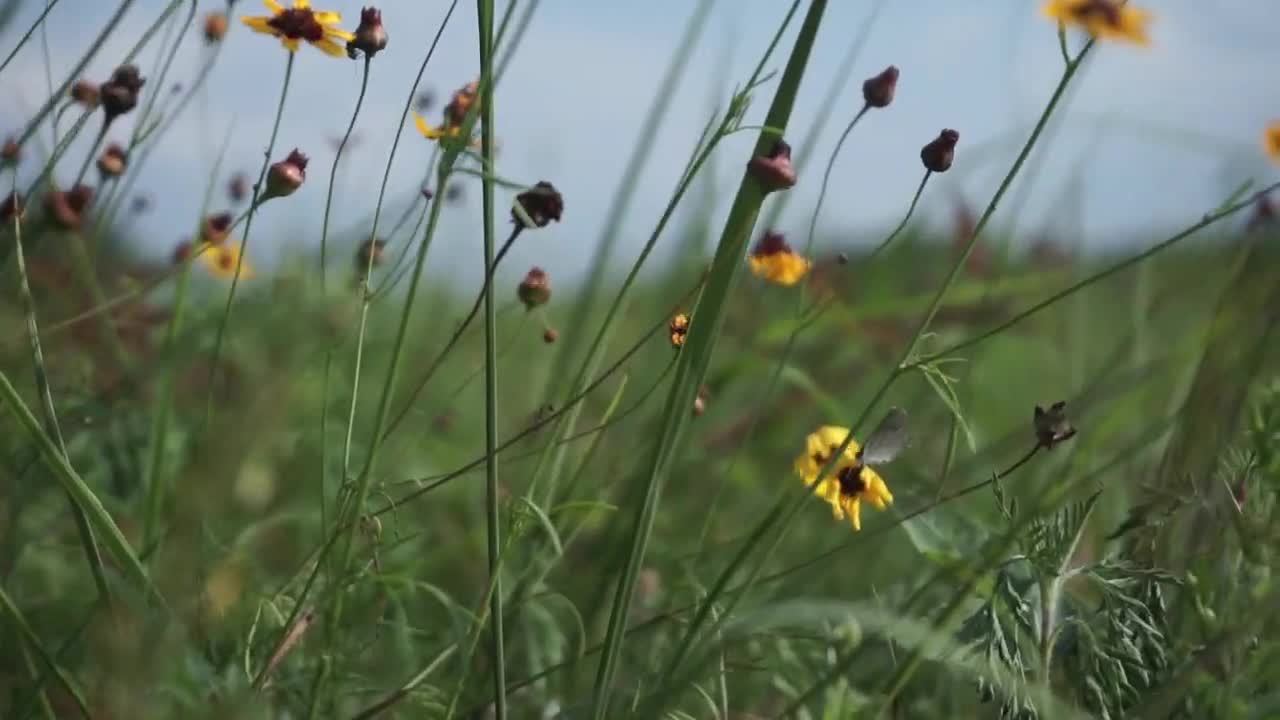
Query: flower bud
216,228
938,155
10,153
370,36
535,289
774,171
550,336
286,176
878,91
215,27
542,203
119,95
66,207
85,93
10,208
113,161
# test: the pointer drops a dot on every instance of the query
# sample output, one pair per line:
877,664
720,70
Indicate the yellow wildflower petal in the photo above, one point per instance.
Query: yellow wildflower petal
259,24
425,128
302,4
327,17
855,514
339,34
222,260
1271,141
273,6
781,268
329,47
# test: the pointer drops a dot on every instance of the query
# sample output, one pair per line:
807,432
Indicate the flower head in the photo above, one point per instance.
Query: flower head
938,155
849,483
1271,141
878,91
775,261
222,260
119,95
535,289
370,37
678,328
1103,19
85,93
215,27
298,23
286,176
113,161
774,171
455,114
542,203
67,207
215,229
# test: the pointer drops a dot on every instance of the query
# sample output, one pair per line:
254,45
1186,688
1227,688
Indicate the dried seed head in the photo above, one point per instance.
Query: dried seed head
11,207
535,289
1052,426
286,176
10,153
371,37
238,188
215,228
938,155
369,254
542,203
550,335
119,95
774,170
113,161
85,93
878,91
66,207
215,27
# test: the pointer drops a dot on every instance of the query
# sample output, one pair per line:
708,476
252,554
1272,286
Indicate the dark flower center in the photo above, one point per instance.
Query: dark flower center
772,244
1105,10
298,24
850,479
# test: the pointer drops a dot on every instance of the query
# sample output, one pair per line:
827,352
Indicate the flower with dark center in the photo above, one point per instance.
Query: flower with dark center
774,170
938,155
849,483
113,161
774,261
286,176
455,115
541,204
300,24
215,27
1052,426
85,93
878,91
215,228
535,289
119,95
66,207
10,208
370,37
1103,19
678,329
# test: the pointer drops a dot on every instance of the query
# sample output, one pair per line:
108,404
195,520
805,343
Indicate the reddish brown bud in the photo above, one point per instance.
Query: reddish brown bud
11,207
66,207
370,36
542,203
774,171
878,91
286,176
10,153
238,188
535,289
119,95
938,155
550,336
216,228
113,161
215,27
85,93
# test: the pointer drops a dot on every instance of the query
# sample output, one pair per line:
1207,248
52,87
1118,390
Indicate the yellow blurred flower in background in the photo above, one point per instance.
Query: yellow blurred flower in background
1103,19
300,23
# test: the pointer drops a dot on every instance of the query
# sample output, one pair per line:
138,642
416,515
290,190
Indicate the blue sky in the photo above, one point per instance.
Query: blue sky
1149,140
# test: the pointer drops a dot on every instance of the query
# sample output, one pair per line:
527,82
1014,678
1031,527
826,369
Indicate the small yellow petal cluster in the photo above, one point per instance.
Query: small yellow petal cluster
300,23
1103,19
1271,141
774,261
849,483
678,329
455,115
222,259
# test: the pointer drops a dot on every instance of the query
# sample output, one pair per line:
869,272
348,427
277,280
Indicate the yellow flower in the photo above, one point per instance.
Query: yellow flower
774,261
679,328
1103,19
221,260
849,483
436,133
1271,141
300,22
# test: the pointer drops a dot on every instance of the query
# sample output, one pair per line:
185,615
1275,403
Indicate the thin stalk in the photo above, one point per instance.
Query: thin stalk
333,175
903,224
244,242
826,175
31,640
48,6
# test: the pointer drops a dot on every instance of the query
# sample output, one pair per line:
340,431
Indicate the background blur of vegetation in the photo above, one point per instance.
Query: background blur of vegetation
1123,572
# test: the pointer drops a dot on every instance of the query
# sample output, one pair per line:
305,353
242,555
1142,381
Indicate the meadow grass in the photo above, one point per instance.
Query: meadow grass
347,491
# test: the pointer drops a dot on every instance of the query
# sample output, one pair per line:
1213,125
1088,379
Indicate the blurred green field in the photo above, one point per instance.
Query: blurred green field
255,561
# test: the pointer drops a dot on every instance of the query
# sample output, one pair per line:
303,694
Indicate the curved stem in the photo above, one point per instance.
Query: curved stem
905,218
333,174
258,189
826,176
48,6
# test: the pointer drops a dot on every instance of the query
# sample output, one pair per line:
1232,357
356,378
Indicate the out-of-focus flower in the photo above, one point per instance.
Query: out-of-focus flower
775,261
11,207
678,328
238,188
300,23
938,155
370,37
286,176
85,93
1103,19
878,91
550,335
1271,141
113,161
369,254
774,170
223,588
10,153
850,482
66,207
215,27
455,115
215,228
1052,426
221,260
542,203
119,95
535,289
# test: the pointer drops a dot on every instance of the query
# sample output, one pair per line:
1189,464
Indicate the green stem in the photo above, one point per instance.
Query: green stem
905,218
48,6
258,189
826,177
333,175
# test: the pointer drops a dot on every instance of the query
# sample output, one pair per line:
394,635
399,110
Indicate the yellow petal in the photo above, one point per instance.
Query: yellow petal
290,44
273,6
259,24
425,128
327,17
302,4
339,33
329,47
1271,141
